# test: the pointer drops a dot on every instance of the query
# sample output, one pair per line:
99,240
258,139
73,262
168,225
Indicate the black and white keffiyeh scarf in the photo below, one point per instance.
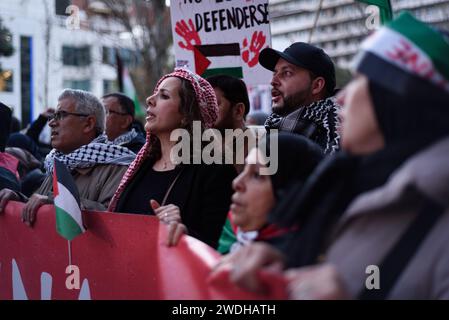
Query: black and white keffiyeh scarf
99,151
323,114
125,138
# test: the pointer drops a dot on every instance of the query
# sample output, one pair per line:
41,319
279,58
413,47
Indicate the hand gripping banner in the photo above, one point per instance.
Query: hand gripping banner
121,256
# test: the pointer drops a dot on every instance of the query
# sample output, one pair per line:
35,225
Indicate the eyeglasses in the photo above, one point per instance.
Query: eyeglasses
62,114
116,112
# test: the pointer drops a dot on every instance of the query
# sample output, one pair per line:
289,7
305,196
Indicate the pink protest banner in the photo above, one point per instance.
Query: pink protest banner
121,256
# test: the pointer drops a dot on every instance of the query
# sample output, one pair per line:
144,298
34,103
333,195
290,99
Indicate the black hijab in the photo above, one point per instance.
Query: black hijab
296,158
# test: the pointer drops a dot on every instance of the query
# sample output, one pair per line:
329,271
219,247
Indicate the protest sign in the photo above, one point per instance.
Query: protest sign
222,37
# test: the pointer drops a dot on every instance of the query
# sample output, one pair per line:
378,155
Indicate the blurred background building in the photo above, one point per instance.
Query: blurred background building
62,44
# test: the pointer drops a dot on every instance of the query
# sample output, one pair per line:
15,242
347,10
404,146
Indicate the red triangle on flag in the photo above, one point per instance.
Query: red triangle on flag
201,62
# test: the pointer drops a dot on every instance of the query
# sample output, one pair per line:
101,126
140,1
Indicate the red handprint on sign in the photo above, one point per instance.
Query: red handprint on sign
257,41
190,35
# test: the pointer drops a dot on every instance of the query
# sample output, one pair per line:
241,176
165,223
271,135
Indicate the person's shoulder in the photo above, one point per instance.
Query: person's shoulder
139,138
8,180
135,144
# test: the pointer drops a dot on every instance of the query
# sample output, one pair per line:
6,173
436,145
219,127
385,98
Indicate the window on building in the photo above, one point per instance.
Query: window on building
6,81
61,6
77,84
76,56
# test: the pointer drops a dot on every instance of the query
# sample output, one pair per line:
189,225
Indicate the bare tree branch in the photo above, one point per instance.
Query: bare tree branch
148,23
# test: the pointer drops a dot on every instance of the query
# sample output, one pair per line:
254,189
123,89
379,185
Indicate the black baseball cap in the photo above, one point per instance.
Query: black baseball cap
303,55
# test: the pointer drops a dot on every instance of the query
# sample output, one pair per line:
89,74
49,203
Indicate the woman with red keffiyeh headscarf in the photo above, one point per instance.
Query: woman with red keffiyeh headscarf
198,195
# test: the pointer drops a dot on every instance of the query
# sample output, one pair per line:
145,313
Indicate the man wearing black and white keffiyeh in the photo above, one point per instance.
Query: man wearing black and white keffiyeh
97,166
317,121
303,83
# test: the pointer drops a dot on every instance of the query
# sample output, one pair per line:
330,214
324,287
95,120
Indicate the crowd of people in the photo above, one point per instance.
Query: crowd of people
362,172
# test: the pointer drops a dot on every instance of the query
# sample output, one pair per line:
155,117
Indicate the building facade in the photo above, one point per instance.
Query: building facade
341,24
57,46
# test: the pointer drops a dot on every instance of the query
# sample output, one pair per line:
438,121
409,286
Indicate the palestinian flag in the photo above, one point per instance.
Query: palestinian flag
69,222
213,59
403,53
386,12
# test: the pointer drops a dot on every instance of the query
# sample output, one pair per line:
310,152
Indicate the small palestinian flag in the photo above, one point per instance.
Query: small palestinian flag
213,59
69,222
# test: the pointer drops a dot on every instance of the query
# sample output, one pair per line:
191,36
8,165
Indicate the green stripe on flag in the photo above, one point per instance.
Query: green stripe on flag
66,225
235,72
427,39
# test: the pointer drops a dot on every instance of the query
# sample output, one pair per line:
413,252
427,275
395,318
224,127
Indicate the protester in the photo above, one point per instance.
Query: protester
233,106
383,202
255,194
233,101
119,122
77,138
196,194
302,87
5,128
15,124
31,153
24,142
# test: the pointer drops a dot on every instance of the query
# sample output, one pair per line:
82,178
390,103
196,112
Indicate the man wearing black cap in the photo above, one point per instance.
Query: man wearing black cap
303,83
119,122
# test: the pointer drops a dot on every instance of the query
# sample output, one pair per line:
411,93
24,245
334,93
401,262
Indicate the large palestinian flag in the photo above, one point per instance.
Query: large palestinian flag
213,59
69,222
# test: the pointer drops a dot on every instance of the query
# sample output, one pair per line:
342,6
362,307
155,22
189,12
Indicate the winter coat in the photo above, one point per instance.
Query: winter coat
96,185
376,219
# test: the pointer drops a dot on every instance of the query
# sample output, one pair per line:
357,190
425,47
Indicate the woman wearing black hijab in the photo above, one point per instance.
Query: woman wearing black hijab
256,194
382,202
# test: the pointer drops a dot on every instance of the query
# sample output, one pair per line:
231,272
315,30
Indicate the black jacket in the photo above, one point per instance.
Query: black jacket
203,194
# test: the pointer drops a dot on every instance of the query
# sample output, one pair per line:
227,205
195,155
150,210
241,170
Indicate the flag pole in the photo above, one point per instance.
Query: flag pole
70,252
315,20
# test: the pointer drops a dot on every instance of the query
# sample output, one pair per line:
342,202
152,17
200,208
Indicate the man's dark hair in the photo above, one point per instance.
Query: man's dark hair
126,103
234,89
